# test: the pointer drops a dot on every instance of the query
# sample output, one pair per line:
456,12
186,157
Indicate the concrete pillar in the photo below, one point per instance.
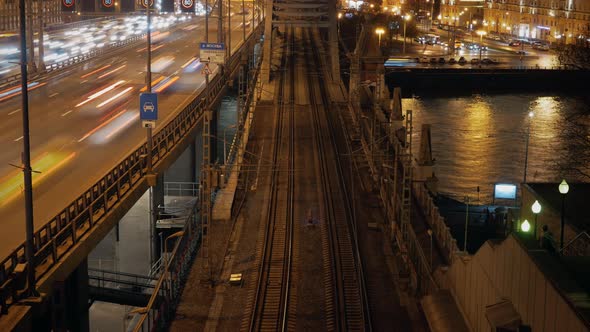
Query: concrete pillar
70,301
156,199
267,47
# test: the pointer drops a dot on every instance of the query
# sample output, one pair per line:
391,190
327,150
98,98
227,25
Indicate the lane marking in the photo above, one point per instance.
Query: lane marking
101,125
66,113
112,71
53,95
84,81
15,111
18,139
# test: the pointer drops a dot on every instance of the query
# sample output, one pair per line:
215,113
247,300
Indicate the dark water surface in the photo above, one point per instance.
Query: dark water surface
479,140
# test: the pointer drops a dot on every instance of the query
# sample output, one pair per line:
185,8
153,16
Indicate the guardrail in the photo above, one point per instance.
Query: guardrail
119,280
181,189
171,282
58,236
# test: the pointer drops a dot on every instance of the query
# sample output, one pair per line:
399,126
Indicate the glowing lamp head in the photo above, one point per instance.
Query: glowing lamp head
536,207
525,226
407,17
531,114
564,187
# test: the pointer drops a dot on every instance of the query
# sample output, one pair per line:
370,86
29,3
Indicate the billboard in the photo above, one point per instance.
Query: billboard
504,191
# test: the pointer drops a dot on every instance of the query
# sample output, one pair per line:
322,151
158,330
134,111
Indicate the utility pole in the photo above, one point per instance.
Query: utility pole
30,42
206,179
220,22
26,157
149,81
206,21
41,4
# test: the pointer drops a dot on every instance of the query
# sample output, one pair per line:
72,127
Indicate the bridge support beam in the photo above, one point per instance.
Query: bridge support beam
69,310
267,47
333,41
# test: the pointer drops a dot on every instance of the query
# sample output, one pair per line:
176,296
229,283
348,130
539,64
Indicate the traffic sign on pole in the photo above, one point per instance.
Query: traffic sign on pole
148,106
212,52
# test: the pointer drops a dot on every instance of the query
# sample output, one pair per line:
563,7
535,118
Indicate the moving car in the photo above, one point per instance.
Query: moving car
514,43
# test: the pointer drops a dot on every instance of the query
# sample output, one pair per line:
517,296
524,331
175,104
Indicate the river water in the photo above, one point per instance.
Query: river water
480,140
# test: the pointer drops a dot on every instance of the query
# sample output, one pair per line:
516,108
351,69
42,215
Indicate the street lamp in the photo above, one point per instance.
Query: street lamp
525,226
536,210
563,189
407,17
526,149
379,32
481,33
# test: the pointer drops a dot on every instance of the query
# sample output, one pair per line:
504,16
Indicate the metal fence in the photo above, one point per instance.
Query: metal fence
58,236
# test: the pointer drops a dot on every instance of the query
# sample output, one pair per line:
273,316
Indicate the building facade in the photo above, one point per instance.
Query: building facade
50,10
555,21
462,13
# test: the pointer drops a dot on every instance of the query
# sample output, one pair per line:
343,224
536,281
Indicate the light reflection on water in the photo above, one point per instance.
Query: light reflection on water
480,140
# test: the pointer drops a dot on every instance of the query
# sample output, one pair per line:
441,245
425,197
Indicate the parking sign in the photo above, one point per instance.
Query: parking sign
148,106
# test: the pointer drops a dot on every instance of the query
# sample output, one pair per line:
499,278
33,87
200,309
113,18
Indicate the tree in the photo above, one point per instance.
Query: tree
574,161
577,56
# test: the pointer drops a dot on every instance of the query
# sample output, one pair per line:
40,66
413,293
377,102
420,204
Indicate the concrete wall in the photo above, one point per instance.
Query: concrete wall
505,270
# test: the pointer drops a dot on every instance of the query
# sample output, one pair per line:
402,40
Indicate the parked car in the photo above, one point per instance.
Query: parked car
462,60
488,61
423,59
433,60
474,61
441,60
514,43
452,61
521,52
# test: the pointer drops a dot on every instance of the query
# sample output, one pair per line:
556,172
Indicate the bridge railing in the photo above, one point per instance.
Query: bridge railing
63,232
119,280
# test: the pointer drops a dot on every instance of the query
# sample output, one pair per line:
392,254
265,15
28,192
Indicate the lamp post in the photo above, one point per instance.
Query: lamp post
481,33
563,190
536,210
466,222
525,226
526,149
429,231
379,32
407,17
339,17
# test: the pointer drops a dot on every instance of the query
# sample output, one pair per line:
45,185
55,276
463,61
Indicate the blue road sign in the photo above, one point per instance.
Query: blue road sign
213,46
148,106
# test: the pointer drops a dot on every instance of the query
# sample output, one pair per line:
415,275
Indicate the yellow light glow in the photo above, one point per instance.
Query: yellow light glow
525,226
13,185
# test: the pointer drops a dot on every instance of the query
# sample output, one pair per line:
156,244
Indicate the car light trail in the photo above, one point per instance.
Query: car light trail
153,48
112,71
156,81
47,163
95,71
100,126
100,92
114,127
114,97
165,84
12,92
188,62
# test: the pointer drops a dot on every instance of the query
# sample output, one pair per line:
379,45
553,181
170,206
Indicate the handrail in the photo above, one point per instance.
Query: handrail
571,242
58,236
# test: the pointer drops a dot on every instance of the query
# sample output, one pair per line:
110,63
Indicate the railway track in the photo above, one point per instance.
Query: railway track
346,304
270,307
272,304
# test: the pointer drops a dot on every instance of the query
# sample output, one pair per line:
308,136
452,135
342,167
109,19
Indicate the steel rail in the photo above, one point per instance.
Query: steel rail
270,305
351,299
